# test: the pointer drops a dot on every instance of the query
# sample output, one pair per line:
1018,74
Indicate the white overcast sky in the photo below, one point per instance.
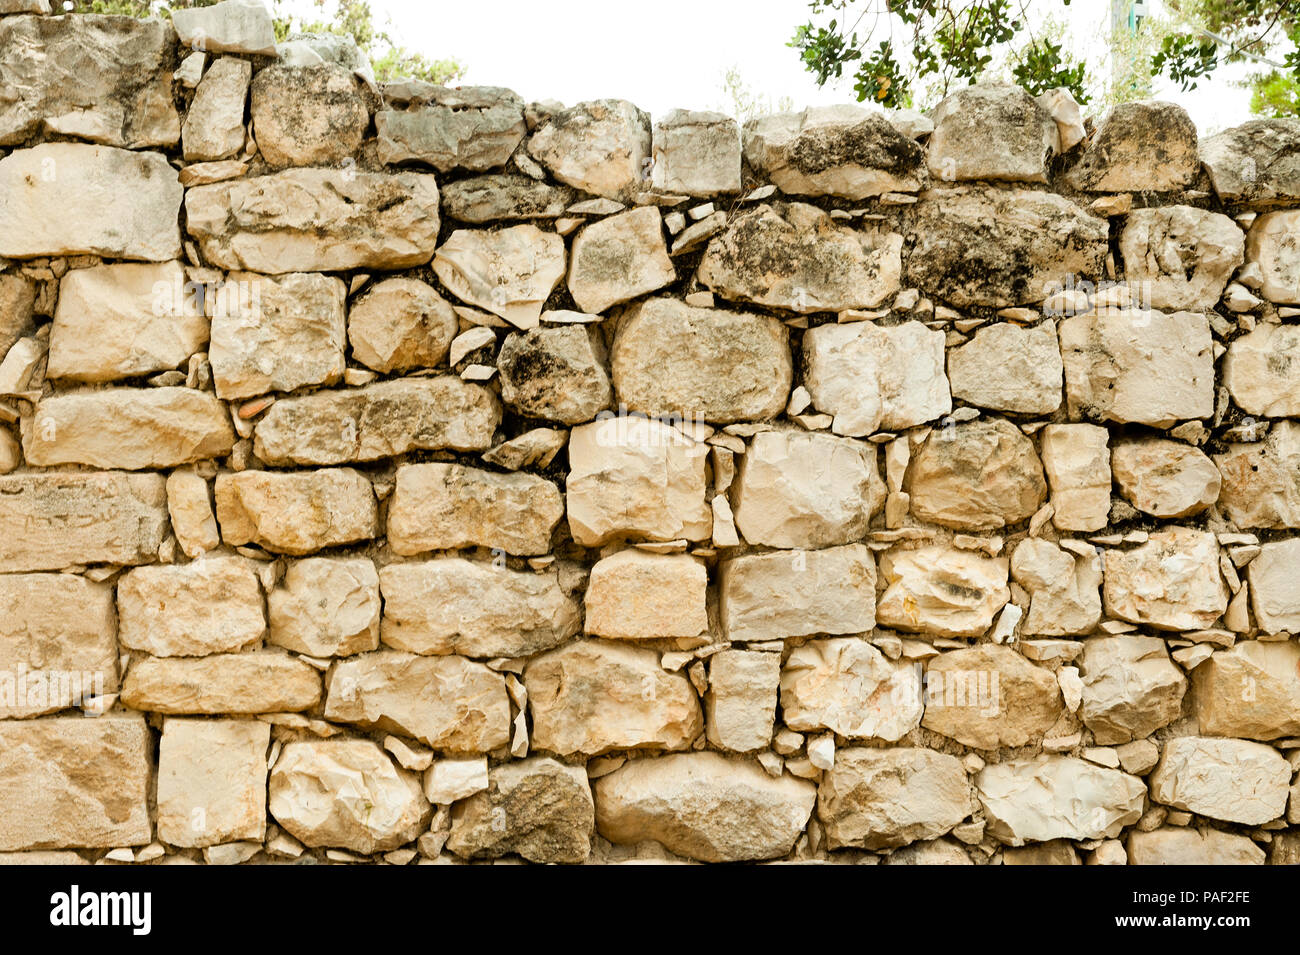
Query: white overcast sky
662,54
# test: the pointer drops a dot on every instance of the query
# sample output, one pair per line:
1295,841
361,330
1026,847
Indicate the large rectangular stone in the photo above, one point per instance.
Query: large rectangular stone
798,593
212,781
296,512
234,683
52,521
70,782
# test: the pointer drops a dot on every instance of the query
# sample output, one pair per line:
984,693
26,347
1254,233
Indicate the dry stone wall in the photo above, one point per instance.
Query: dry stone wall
402,473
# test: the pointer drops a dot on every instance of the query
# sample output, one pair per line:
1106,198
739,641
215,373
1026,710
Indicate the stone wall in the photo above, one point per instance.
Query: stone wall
398,473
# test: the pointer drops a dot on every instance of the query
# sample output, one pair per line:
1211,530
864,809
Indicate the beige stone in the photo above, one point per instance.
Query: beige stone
701,363
536,808
806,490
446,702
69,782
232,26
1076,458
1270,246
441,506
307,116
1064,588
1259,488
1262,371
296,512
57,646
602,147
451,780
619,258
1173,845
1229,779
214,124
1274,595
128,428
1180,256
346,793
1251,690
1057,797
482,199
873,378
474,609
212,781
991,131
846,685
224,683
696,152
633,594
400,324
635,478
1172,582
941,591
1130,687
509,272
212,605
976,475
797,593
476,137
1006,367
740,706
885,798
326,607
1164,478
990,696
594,696
555,373
1139,146
704,806
1254,164
51,521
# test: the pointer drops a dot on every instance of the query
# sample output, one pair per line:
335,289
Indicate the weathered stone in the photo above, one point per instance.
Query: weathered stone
1056,852
537,808
1057,797
1274,596
127,203
602,147
324,220
740,707
843,151
70,782
232,26
111,322
213,605
1229,779
1130,687
214,125
937,852
103,79
806,490
1064,588
1006,367
1174,845
481,199
976,475
1144,146
326,607
991,131
1076,458
296,513
1256,164
1182,256
990,696
883,798
1262,371
1144,367
696,153
346,793
451,780
793,594
1171,582
229,683
128,428
633,594
1259,485
701,363
212,781
473,138
594,696
704,806
941,591
509,272
1164,478
57,646
17,308
51,521
400,324
635,478
450,605
1271,245
619,258
982,246
441,506
555,373
446,702
278,333
795,256
872,377
846,685
307,116
1251,690
378,421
